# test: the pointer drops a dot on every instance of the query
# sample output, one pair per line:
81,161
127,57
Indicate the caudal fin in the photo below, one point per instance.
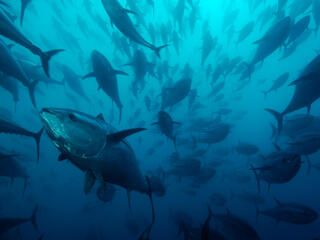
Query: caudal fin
278,116
33,218
150,197
45,59
37,137
158,49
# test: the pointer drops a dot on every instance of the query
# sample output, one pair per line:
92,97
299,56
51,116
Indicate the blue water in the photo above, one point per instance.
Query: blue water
57,187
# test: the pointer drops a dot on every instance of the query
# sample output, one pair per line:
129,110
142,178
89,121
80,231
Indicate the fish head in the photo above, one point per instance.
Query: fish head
309,215
75,134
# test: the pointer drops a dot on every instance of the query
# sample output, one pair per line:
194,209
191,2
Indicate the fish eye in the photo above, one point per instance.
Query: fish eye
72,117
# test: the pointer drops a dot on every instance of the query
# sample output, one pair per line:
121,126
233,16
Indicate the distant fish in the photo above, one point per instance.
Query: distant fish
9,223
166,125
307,91
8,30
291,213
119,17
278,83
11,128
106,77
11,67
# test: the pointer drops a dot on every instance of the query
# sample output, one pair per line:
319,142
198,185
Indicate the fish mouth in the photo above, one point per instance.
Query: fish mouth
51,122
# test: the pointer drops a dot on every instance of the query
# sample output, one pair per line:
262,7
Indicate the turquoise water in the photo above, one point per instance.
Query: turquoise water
226,93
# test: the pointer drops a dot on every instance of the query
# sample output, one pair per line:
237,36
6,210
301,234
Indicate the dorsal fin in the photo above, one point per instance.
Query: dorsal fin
119,136
305,79
100,117
62,157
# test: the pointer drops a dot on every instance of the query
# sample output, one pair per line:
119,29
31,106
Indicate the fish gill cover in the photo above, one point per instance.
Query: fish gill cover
159,119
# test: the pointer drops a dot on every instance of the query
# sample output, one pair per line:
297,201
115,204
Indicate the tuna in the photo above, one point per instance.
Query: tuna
166,125
119,17
10,31
7,127
97,149
307,91
290,212
174,95
106,77
9,223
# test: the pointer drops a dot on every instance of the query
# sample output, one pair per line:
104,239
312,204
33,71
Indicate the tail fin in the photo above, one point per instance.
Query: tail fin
158,49
33,218
31,88
37,137
257,178
150,197
45,58
278,116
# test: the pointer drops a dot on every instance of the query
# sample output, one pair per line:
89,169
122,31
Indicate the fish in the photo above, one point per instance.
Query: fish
290,212
93,146
271,41
246,149
106,77
119,17
245,32
11,67
166,125
72,79
306,91
8,223
10,31
278,83
8,127
279,167
298,29
234,228
174,95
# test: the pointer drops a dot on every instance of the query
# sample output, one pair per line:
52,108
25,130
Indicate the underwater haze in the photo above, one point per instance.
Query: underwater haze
159,119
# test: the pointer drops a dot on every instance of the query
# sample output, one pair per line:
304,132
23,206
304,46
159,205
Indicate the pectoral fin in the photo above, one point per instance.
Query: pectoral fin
119,136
